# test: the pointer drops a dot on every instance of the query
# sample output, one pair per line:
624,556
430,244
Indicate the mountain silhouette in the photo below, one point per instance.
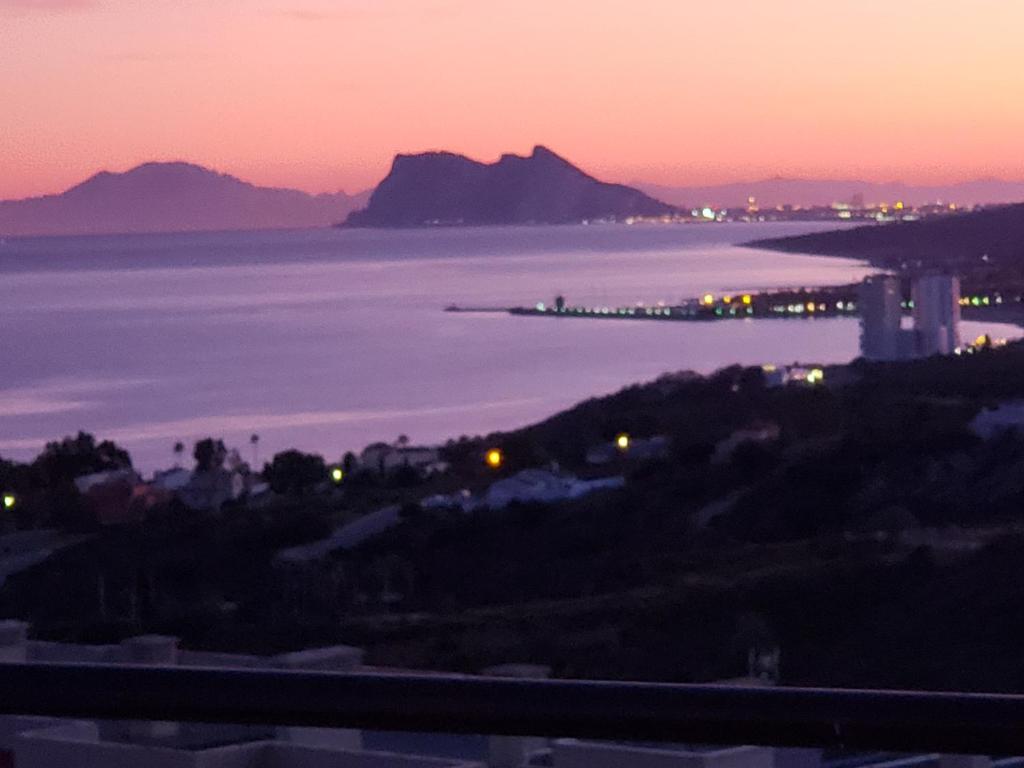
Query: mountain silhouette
170,197
442,188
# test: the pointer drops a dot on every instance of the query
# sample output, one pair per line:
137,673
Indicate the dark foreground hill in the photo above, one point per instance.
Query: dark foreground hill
994,236
170,197
441,188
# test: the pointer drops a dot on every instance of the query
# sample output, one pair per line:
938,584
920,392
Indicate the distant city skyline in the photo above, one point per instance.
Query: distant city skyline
320,95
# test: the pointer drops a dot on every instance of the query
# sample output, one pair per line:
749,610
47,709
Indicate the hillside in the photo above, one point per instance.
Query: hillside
956,242
875,542
441,188
169,197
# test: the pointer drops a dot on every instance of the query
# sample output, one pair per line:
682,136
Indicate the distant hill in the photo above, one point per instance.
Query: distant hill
957,239
170,197
543,188
811,192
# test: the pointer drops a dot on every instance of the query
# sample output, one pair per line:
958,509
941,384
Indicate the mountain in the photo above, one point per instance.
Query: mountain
170,197
543,188
811,192
993,235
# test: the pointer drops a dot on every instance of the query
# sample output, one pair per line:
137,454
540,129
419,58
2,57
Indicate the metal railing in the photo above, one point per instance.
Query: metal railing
903,721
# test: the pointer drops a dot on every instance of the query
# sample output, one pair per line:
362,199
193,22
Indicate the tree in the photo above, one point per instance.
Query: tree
402,441
64,460
294,472
254,441
179,449
349,462
209,454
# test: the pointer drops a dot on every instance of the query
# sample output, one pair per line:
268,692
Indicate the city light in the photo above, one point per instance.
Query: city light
622,442
9,500
747,298
337,475
494,458
708,299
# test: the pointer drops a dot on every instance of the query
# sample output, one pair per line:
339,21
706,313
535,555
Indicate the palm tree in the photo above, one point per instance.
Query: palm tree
179,448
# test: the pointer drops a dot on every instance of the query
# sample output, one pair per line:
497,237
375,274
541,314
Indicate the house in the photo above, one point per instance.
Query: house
115,497
381,457
1006,417
210,490
172,479
639,449
756,432
779,376
541,485
86,483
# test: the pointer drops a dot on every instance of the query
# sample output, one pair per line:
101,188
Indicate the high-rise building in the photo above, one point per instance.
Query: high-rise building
936,314
880,315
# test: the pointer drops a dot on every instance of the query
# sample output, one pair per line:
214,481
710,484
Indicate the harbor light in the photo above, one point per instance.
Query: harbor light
337,475
494,458
747,298
9,500
622,442
708,299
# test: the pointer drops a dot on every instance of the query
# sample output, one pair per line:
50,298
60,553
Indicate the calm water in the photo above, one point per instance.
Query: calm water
327,340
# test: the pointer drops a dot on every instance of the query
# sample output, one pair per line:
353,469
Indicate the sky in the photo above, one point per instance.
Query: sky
320,95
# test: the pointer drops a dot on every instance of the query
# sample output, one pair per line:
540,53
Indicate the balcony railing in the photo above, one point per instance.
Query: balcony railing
903,721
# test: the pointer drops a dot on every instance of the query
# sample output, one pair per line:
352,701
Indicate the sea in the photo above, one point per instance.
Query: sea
327,340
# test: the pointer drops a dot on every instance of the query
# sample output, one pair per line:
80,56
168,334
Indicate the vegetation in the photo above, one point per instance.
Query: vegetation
875,541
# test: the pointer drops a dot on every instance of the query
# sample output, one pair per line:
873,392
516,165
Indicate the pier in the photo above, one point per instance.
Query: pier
835,301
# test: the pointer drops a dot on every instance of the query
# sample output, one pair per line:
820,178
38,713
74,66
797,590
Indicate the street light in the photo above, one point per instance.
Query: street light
337,475
494,458
622,442
9,500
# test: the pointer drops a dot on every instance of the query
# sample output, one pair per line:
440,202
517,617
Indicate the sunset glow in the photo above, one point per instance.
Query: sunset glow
321,95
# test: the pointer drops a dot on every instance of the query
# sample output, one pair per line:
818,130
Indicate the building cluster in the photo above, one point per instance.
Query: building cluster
935,305
853,210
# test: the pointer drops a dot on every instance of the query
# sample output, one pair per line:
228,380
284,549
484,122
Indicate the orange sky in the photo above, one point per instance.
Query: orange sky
319,94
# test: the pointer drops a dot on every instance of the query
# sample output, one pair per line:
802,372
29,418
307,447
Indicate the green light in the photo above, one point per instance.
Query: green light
9,500
975,300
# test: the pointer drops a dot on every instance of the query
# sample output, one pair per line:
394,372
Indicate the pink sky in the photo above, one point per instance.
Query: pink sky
320,94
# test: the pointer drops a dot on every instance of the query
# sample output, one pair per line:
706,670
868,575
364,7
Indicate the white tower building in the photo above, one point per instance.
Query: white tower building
880,315
936,314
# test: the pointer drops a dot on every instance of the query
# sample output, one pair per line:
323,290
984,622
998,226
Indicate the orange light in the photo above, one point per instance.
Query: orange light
494,458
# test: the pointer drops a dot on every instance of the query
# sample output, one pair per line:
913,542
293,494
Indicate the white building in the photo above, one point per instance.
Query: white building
880,316
936,314
381,457
540,485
